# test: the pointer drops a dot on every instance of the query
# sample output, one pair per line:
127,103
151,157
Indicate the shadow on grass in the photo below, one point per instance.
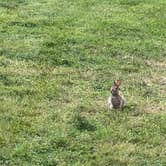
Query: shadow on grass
81,123
130,2
131,109
60,142
12,4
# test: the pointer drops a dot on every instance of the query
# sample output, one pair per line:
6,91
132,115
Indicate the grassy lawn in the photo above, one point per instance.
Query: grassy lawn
58,59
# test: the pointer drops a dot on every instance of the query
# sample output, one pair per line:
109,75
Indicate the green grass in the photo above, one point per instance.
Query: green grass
58,60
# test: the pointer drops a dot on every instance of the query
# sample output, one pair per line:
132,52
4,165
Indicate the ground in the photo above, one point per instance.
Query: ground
58,59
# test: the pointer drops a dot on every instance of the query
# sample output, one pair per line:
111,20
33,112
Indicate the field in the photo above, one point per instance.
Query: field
58,59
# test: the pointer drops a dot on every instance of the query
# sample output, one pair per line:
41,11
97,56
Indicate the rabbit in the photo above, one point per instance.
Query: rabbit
116,99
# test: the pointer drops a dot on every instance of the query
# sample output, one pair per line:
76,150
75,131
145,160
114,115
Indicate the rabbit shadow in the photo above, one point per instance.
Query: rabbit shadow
82,123
130,107
126,108
133,109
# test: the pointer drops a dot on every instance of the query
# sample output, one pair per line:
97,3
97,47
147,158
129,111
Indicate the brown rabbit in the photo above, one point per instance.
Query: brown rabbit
116,99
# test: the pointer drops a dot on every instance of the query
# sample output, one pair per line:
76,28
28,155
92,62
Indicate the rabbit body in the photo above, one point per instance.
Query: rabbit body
116,102
116,99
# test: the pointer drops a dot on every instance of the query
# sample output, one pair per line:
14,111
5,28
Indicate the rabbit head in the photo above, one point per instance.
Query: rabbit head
115,89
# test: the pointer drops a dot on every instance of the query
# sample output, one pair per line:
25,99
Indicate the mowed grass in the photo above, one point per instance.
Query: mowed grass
58,60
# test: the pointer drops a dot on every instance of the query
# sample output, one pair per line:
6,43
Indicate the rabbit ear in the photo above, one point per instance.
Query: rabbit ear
111,89
117,83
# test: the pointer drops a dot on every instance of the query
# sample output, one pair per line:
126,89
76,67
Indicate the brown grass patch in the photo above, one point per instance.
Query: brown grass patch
154,109
153,63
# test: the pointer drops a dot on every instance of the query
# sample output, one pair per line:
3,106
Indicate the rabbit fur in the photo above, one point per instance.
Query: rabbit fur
116,99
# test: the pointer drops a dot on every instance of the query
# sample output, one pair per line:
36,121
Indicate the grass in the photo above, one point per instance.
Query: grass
58,60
